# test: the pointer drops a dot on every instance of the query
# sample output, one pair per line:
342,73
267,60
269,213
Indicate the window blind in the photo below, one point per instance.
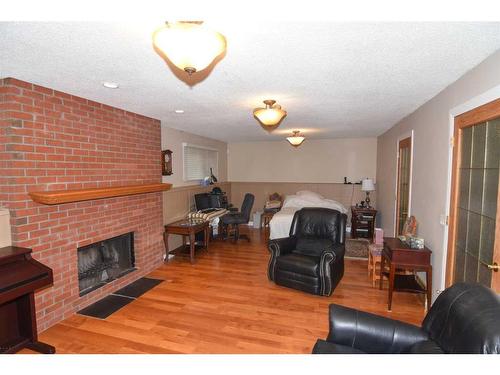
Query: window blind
198,161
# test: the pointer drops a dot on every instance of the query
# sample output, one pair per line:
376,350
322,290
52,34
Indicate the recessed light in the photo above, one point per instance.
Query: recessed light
179,111
111,85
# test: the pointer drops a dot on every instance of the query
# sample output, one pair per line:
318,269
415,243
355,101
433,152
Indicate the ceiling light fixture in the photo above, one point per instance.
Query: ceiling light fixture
271,115
189,45
179,111
110,85
296,139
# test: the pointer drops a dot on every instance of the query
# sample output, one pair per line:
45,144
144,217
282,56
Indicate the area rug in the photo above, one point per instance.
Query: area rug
138,287
356,248
105,306
115,301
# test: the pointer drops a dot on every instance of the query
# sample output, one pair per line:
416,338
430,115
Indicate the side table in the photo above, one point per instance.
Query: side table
363,222
374,260
266,218
399,255
189,228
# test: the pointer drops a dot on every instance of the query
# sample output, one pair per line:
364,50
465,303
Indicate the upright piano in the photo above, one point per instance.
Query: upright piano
20,277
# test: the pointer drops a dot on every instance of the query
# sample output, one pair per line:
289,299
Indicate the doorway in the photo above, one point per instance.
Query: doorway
474,225
403,184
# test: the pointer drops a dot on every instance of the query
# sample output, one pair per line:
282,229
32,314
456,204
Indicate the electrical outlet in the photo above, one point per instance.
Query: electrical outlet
443,219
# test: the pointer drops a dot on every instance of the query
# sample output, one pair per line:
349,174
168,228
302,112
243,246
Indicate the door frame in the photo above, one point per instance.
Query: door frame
478,114
410,135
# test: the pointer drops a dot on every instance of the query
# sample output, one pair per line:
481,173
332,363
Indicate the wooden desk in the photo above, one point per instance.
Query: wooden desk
363,222
400,255
189,228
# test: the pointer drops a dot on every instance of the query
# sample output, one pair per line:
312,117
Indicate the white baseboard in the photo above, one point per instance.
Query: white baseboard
170,256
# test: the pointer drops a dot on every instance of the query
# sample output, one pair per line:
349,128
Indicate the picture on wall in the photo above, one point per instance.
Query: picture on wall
166,163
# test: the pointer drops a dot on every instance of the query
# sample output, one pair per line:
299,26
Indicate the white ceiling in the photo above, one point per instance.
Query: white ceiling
334,79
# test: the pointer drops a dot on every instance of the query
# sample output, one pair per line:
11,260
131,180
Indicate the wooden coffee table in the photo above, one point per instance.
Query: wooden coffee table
187,228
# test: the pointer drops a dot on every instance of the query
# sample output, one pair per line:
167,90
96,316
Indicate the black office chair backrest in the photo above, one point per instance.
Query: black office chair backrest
215,200
246,207
208,200
319,223
465,318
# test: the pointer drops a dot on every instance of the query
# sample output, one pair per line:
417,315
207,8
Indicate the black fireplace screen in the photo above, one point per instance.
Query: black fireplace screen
105,261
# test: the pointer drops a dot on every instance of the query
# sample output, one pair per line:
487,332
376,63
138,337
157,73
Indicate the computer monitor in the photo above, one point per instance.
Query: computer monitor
202,201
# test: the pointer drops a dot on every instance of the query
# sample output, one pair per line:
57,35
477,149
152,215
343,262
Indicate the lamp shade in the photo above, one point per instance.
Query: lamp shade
189,45
271,115
367,185
296,139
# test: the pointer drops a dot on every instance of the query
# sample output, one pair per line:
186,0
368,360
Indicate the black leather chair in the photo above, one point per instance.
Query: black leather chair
234,219
465,318
312,258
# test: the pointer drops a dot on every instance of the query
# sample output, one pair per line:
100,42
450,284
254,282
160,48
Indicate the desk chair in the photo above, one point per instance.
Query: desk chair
232,220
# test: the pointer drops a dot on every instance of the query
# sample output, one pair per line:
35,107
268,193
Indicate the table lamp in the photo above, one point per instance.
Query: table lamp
367,186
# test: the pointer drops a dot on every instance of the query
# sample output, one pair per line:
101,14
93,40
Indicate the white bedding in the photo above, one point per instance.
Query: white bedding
280,223
279,226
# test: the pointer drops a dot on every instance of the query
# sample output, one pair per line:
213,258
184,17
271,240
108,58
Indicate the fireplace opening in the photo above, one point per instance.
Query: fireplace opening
104,261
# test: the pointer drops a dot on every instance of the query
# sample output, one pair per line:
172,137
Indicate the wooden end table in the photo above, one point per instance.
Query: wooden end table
363,222
399,255
187,228
266,218
374,259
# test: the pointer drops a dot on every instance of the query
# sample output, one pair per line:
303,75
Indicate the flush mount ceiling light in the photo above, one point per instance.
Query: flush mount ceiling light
189,45
296,139
111,85
179,111
271,115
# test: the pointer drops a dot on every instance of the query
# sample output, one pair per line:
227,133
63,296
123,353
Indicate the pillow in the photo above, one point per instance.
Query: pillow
273,204
301,201
309,195
292,201
330,203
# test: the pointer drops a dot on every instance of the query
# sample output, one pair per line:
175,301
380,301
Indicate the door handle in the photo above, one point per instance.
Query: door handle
493,267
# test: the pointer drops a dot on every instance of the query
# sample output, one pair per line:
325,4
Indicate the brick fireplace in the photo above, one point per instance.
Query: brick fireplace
51,140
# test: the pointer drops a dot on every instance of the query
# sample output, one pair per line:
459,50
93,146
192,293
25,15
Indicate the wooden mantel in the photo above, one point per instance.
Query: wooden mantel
67,196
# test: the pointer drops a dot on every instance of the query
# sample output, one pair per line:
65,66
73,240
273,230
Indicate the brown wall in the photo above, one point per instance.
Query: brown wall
345,194
316,160
177,202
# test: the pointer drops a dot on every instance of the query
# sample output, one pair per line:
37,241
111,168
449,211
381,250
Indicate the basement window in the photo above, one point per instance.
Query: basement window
198,160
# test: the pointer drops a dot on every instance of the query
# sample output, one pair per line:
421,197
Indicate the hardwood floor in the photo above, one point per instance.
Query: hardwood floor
225,304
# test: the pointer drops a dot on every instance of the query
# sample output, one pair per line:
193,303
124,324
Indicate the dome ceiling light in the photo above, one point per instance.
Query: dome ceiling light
111,85
296,139
271,115
189,45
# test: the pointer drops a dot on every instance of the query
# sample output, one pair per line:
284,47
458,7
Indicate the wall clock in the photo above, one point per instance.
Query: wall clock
166,163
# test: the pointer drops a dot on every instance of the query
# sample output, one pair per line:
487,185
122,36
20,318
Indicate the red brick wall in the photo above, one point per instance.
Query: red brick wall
51,141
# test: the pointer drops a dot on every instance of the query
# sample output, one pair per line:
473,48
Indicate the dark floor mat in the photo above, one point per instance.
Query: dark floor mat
138,287
106,306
